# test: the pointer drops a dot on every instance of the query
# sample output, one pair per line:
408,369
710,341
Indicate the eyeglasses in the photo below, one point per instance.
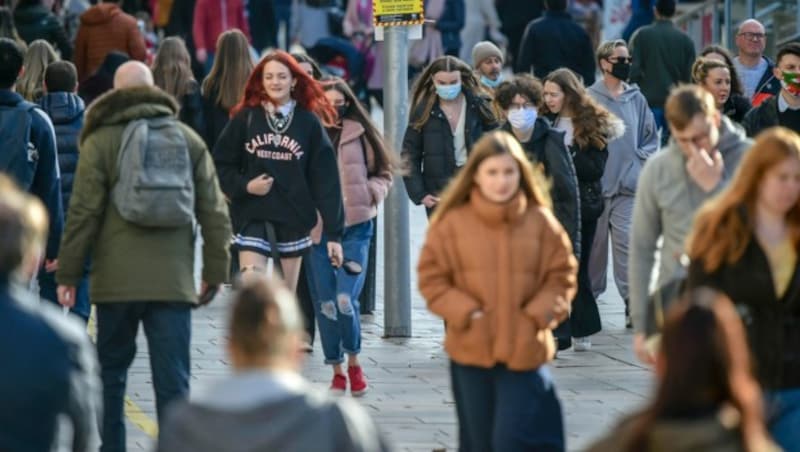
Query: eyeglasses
620,59
752,36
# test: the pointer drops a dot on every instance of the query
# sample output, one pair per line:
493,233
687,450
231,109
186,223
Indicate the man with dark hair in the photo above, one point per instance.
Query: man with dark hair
105,28
662,59
783,109
553,41
65,109
28,152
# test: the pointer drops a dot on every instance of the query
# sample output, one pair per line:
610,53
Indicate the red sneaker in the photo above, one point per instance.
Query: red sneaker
358,384
339,384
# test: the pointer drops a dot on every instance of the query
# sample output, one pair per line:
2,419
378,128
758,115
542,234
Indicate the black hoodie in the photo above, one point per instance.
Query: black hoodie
34,21
301,160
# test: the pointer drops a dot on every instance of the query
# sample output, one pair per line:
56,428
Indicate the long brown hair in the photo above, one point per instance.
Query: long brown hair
232,66
384,160
39,55
307,91
724,226
736,83
706,365
424,90
592,122
172,69
498,142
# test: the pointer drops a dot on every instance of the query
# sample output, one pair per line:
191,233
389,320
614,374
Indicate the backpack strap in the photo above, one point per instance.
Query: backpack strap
272,237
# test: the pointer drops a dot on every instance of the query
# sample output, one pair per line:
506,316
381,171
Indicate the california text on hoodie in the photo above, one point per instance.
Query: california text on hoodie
104,28
506,260
301,161
666,202
626,154
66,111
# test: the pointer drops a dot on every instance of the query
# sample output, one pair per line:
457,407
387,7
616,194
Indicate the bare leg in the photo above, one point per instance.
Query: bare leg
291,271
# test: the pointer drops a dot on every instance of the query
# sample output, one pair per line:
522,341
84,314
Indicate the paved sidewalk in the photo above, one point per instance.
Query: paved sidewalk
410,395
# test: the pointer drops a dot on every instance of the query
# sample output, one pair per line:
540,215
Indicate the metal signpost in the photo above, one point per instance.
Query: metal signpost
392,19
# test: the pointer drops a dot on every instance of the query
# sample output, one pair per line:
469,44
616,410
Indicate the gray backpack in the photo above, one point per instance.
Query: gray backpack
156,180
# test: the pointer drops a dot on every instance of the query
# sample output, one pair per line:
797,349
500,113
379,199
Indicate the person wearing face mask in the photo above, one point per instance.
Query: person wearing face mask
500,296
487,59
365,169
520,100
448,115
626,156
783,109
588,128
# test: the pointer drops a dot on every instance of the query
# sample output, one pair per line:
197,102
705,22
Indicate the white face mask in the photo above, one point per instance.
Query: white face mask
522,118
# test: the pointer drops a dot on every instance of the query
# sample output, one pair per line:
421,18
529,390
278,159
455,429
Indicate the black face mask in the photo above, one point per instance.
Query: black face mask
621,70
341,110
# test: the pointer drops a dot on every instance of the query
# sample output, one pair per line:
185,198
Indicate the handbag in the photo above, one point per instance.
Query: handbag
664,297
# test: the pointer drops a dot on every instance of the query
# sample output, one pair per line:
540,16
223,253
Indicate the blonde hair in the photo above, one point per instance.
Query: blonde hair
702,66
606,49
498,142
23,227
39,55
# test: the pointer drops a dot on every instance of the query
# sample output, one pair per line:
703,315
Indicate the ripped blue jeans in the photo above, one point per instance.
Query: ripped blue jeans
335,292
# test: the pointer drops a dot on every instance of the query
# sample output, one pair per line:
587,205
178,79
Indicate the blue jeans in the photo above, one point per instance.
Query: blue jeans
167,327
47,291
784,418
661,124
335,292
503,410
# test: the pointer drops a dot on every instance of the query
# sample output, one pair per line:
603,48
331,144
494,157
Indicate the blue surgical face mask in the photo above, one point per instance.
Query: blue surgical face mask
491,83
522,118
448,92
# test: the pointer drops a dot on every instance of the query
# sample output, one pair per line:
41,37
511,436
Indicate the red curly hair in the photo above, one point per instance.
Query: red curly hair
307,92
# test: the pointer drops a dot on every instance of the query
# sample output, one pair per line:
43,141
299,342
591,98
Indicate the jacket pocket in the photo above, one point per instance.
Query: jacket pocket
630,177
530,347
472,344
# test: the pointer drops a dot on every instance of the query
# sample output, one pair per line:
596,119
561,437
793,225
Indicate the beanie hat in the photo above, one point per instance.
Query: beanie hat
484,50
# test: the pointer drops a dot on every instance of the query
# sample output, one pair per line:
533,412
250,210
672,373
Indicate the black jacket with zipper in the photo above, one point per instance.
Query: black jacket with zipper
429,151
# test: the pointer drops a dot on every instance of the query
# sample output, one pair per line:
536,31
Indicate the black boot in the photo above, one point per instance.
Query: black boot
628,319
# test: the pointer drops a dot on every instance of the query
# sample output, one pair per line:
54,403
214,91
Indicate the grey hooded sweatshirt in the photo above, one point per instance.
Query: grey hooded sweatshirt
261,411
665,205
626,154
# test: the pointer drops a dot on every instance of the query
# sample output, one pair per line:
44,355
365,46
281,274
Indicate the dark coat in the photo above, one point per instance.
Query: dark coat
66,111
191,112
429,151
450,25
546,146
773,325
736,107
762,117
590,163
768,85
34,21
215,118
553,41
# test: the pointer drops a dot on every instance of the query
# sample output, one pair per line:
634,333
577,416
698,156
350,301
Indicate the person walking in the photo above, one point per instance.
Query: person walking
448,116
66,110
737,105
588,128
480,19
124,228
500,297
745,243
365,170
662,59
212,18
715,76
172,72
38,56
706,397
278,167
520,101
34,20
265,399
784,108
626,156
487,60
702,157
756,69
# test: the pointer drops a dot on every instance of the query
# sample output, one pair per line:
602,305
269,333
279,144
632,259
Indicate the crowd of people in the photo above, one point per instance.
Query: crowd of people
125,141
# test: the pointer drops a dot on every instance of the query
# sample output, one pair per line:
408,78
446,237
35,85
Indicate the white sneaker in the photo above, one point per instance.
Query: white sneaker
582,344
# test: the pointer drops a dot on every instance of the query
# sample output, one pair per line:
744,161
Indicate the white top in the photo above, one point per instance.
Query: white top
249,389
459,137
750,75
783,105
565,125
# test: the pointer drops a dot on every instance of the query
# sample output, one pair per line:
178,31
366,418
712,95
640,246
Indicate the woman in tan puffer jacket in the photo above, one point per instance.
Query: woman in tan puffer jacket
498,268
365,172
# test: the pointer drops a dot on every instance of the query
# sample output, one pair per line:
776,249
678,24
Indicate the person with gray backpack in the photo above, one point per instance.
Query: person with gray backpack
144,182
28,151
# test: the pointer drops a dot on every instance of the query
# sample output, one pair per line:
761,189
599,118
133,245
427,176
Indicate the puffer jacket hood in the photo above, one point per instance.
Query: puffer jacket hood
100,14
62,107
121,106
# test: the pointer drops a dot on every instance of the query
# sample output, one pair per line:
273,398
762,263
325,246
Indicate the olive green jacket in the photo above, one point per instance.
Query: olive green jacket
131,262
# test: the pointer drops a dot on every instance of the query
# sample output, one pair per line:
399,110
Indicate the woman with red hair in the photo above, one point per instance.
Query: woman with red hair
277,166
